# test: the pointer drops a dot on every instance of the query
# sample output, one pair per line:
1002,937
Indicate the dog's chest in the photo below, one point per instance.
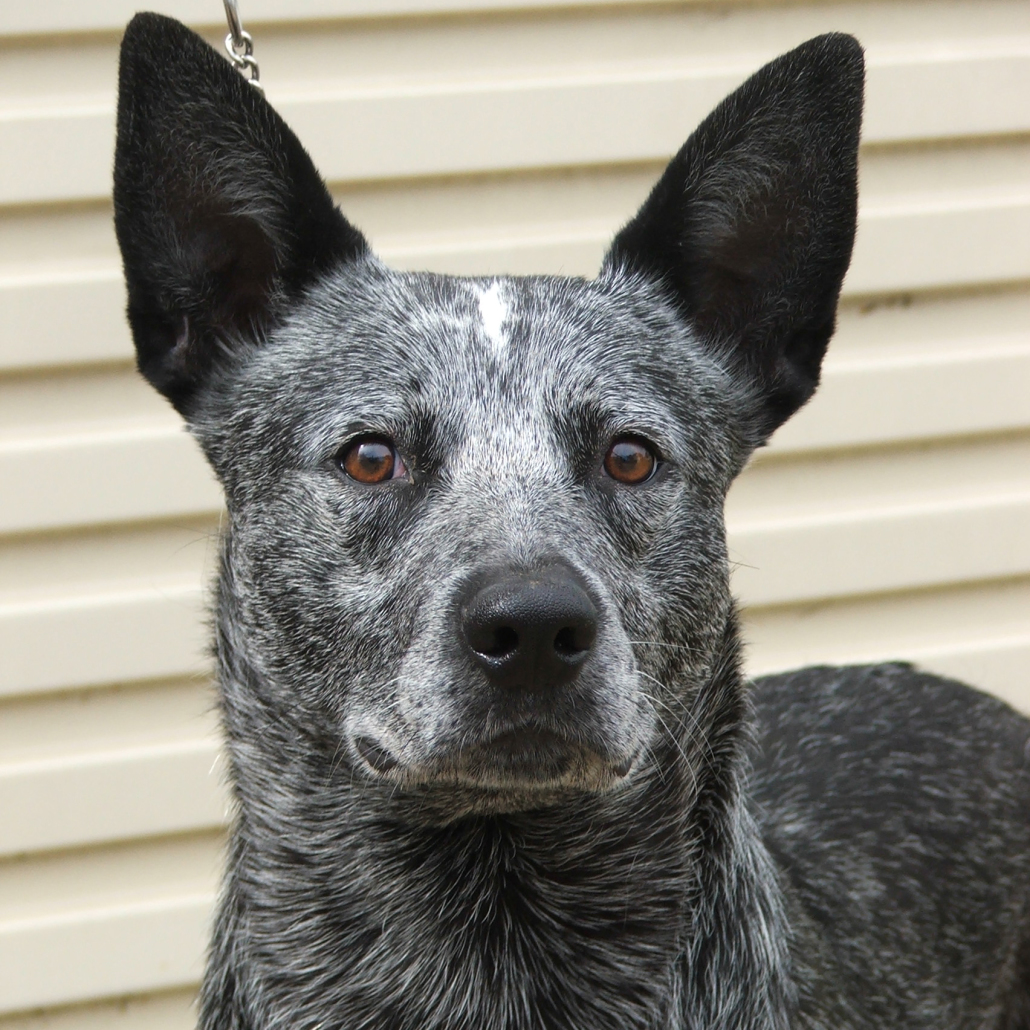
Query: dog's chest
478,931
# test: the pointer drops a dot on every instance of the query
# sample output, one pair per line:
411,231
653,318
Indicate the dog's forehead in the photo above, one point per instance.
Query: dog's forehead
379,342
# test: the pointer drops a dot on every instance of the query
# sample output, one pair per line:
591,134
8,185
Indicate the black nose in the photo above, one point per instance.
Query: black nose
530,631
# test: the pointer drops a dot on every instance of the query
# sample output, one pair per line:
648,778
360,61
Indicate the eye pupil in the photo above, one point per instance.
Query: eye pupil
629,461
369,460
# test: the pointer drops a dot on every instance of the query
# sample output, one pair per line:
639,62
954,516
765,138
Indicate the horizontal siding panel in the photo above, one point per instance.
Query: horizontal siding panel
455,129
943,92
107,637
63,152
575,248
102,476
78,317
933,245
168,1010
999,665
41,569
871,549
56,153
73,16
897,249
888,398
63,318
106,719
77,799
64,16
120,949
979,634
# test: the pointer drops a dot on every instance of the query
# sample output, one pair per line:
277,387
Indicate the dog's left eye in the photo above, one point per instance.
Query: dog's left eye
371,460
630,460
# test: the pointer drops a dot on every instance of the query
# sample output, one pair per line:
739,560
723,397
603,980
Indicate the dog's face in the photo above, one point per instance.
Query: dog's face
479,522
476,525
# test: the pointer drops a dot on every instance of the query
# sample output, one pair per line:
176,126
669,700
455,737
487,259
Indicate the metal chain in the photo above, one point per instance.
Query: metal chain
240,46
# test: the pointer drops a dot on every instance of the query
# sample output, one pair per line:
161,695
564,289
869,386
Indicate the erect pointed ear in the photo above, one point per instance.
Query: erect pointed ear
220,215
751,226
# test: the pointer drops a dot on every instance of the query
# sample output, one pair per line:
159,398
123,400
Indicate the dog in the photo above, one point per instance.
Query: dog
494,760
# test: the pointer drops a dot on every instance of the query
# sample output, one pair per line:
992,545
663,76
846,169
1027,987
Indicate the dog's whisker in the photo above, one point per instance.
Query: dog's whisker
687,764
668,643
695,733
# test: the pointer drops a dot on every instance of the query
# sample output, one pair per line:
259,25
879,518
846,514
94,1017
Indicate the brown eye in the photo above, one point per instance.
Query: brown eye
371,459
630,461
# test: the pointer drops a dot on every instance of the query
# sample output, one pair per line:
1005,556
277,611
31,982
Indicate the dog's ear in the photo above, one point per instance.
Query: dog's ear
751,226
220,215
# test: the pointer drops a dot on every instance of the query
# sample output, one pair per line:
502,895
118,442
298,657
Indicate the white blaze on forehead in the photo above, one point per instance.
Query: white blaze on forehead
493,310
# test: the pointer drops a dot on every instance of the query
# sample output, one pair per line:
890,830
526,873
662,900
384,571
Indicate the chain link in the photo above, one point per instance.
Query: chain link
240,46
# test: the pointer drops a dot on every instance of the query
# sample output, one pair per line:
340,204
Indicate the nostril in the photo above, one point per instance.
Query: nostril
504,641
571,642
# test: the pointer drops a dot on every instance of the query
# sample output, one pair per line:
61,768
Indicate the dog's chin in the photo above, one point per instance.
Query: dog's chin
513,771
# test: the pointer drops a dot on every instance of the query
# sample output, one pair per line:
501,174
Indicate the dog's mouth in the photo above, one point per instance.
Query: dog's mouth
524,759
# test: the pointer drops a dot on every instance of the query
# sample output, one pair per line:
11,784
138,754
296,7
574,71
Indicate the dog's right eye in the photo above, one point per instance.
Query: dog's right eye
371,460
630,460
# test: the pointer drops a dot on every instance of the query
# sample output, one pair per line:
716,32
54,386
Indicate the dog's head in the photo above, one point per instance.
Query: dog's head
475,525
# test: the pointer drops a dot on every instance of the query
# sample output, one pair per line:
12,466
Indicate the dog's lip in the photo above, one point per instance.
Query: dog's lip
541,740
523,741
375,755
523,735
518,744
526,757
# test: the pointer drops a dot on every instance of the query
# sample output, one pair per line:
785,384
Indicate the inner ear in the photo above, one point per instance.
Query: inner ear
236,262
227,291
740,253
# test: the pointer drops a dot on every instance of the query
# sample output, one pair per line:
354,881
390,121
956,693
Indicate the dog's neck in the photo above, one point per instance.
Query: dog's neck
652,907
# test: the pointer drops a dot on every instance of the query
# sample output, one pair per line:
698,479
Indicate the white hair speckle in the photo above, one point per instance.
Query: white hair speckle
493,310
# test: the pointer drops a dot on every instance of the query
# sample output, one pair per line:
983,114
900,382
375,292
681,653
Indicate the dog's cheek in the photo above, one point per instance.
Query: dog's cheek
321,590
671,589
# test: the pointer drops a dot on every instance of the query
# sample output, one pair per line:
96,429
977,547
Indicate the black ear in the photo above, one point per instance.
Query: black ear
220,214
751,226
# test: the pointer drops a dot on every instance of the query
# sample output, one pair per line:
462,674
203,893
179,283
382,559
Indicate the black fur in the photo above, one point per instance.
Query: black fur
897,805
422,844
755,259
220,214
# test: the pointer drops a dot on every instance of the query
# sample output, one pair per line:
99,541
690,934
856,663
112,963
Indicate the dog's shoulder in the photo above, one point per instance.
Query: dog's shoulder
869,747
859,728
896,805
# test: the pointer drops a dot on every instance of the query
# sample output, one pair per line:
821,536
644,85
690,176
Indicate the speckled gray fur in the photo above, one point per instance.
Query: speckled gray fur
836,848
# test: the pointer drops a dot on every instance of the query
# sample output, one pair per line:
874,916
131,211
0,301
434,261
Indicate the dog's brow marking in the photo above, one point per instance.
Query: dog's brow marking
493,311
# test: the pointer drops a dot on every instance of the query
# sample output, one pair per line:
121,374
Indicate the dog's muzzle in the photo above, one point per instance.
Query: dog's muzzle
528,648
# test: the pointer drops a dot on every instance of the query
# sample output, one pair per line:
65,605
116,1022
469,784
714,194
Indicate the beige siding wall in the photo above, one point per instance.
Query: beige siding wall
890,519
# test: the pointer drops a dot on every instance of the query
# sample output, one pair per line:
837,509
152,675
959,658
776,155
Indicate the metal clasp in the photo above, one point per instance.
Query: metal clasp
240,46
